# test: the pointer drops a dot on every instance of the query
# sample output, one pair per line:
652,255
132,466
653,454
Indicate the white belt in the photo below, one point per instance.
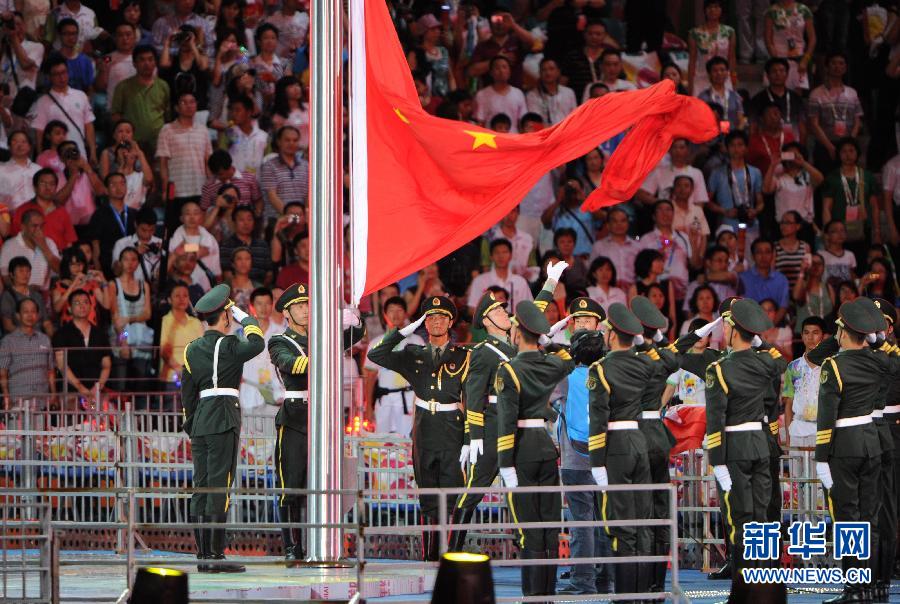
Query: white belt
859,420
492,400
220,392
745,427
892,409
877,413
304,394
531,423
435,406
650,414
622,425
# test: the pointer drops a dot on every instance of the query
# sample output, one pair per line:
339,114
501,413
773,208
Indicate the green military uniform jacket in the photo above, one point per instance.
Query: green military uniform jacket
736,388
849,386
484,360
289,353
524,386
772,399
440,383
216,414
615,384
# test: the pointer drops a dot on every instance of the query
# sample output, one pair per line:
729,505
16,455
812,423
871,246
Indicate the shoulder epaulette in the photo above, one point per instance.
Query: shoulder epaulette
652,353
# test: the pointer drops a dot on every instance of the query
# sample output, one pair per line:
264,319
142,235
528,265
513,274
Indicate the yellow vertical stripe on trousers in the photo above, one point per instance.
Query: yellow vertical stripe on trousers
280,474
227,492
512,509
462,499
603,515
830,505
728,517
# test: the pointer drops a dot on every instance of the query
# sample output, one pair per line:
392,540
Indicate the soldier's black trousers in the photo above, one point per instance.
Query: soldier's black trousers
887,519
482,474
291,452
627,463
773,509
854,495
659,474
436,469
748,500
537,507
215,463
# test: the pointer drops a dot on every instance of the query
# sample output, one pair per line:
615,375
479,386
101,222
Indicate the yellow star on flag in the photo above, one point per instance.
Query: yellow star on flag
401,116
482,138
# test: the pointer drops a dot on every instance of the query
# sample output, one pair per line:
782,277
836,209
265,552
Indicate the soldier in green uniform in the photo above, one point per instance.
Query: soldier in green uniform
213,365
666,361
525,452
736,443
289,352
617,448
436,373
481,400
848,447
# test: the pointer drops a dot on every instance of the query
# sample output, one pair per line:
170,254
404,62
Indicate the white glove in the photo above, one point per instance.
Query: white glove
723,476
823,471
658,336
409,329
600,476
555,271
476,448
509,477
237,313
464,455
349,318
638,340
756,342
871,338
708,328
558,327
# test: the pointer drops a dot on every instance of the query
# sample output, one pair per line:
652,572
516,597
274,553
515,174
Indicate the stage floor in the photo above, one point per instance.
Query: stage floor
104,582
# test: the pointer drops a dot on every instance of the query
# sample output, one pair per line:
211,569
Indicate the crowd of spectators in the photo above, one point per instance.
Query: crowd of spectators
153,150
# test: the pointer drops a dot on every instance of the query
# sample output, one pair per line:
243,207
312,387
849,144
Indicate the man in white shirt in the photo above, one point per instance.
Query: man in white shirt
88,29
388,395
68,105
144,241
245,141
618,247
191,237
610,70
17,174
500,97
500,275
27,58
117,65
292,26
672,244
32,244
523,253
658,184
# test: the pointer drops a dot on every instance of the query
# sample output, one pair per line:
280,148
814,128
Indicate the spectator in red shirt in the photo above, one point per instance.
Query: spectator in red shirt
57,224
296,272
766,143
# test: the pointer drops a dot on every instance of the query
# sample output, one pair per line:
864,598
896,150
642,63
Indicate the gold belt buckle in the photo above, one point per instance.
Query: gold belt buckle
432,405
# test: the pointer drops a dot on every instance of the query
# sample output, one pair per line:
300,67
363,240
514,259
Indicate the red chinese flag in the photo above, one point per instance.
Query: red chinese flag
423,186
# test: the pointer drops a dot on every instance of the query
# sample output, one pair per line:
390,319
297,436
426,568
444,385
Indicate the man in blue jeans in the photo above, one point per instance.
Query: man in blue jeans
575,469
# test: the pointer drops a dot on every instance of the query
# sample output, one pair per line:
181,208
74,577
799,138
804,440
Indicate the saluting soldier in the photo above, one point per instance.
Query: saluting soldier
213,365
525,451
617,448
481,399
848,448
736,443
772,404
666,361
436,372
289,352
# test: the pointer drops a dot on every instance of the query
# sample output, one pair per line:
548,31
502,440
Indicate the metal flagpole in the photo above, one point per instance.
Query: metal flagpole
325,266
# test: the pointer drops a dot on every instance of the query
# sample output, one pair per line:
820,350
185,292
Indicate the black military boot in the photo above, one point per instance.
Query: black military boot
660,569
217,550
533,583
723,573
287,537
852,594
433,552
626,578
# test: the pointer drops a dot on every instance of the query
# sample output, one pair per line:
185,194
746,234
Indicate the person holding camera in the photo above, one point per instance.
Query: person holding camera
144,98
736,189
21,58
123,138
74,275
188,69
144,241
221,167
117,65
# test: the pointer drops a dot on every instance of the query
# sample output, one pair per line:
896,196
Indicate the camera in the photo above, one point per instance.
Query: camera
154,247
293,219
123,146
71,153
229,198
743,215
184,32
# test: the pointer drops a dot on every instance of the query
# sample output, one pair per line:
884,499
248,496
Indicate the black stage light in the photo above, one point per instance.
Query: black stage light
155,585
464,578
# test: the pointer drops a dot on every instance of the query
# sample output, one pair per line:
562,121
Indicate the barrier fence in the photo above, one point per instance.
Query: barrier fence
115,476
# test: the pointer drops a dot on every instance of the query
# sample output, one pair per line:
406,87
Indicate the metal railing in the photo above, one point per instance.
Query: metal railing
24,527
